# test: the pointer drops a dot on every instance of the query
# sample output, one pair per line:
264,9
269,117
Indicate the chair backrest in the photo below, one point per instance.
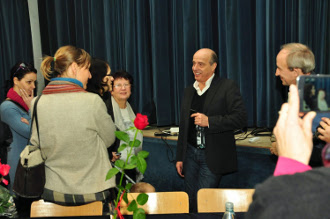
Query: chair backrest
47,209
213,200
160,203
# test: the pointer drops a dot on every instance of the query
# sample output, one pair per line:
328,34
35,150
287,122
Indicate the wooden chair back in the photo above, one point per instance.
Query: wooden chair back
48,209
160,203
214,200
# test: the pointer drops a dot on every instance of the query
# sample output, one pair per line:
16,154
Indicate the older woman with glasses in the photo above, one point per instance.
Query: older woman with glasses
15,110
115,90
123,114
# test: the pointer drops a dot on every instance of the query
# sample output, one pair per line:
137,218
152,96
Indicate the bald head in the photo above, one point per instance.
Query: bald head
213,58
205,62
142,187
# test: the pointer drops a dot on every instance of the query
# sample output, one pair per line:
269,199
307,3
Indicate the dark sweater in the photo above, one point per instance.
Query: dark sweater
302,195
196,105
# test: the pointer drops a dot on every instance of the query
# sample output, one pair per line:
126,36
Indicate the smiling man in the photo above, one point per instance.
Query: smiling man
215,107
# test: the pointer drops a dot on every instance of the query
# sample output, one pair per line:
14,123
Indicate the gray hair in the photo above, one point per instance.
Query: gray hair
300,56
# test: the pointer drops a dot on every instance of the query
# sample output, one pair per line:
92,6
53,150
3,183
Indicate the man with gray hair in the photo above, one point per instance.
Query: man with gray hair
293,60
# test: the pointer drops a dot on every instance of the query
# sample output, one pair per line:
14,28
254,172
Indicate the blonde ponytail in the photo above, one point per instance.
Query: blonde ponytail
62,59
46,67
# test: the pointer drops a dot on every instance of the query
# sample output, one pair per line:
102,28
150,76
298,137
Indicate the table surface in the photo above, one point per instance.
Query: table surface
244,139
238,215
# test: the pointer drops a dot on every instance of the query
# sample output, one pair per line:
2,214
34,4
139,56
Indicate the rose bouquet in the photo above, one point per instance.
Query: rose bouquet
132,161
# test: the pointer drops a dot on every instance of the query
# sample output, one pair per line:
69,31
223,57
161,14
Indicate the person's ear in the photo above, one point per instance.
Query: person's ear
297,72
73,69
214,66
15,80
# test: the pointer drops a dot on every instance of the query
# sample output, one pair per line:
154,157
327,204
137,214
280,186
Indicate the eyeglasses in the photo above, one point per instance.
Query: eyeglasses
21,66
122,85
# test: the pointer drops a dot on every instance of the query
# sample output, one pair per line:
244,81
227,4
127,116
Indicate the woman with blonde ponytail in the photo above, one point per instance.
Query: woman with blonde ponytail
75,130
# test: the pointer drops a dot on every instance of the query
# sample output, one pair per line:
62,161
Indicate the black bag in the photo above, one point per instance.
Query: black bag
30,175
5,133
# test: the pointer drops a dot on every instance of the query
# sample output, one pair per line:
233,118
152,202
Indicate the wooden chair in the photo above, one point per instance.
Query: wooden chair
213,200
160,203
47,209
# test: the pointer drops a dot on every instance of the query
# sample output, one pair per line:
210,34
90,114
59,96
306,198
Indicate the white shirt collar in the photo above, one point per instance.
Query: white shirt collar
207,85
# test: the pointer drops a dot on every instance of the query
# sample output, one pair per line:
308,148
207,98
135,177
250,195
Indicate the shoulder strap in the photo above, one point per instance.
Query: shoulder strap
19,106
35,117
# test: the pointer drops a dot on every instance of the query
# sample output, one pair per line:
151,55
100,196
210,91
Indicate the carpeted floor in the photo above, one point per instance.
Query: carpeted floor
254,166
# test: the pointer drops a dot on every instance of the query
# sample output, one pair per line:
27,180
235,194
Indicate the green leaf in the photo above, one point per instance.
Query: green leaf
141,164
128,186
135,143
132,206
125,198
120,187
120,163
122,147
122,136
133,159
112,172
130,166
139,214
142,198
143,154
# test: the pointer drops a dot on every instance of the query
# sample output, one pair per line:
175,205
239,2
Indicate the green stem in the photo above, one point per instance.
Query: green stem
122,170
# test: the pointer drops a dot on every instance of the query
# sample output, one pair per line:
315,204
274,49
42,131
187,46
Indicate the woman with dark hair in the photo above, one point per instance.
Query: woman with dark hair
115,90
100,82
15,110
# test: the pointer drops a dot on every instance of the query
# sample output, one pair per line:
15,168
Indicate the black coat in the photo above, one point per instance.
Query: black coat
226,112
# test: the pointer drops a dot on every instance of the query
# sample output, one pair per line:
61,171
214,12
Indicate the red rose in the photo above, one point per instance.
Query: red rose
4,169
141,121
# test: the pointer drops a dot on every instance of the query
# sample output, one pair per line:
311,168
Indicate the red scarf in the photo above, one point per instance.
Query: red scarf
17,98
